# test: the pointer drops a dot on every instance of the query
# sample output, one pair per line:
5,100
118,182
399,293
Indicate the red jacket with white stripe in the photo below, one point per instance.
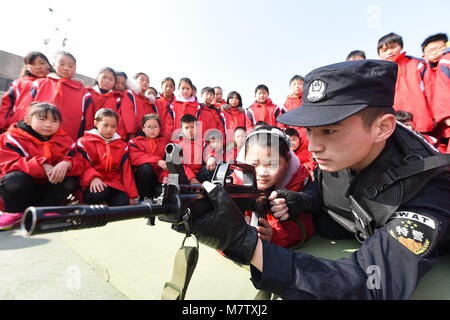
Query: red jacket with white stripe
144,150
19,96
292,102
409,92
107,160
22,151
71,98
267,112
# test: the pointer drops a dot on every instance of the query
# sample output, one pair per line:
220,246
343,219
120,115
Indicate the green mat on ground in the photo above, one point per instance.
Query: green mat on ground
138,259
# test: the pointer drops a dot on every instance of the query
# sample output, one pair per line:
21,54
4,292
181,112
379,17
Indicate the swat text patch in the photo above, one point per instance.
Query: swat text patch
415,231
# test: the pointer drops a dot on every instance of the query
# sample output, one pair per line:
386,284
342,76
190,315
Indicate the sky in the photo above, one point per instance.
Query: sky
235,44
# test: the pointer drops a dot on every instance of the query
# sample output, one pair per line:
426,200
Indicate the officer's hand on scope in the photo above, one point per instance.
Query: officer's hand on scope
224,228
286,204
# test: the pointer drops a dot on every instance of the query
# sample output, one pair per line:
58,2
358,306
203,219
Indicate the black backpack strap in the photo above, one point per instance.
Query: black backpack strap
392,175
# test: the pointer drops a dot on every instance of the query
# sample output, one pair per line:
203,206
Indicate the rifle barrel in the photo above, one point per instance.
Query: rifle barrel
37,220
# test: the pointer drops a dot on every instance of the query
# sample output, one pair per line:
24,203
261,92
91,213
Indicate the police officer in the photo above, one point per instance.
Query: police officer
376,180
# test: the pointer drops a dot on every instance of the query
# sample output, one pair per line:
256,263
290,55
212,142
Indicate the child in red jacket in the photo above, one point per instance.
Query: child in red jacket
135,103
437,82
214,152
210,117
184,103
407,119
233,148
299,145
19,95
263,109
39,164
234,115
192,147
409,94
121,81
218,101
105,96
68,95
276,167
163,103
147,155
294,100
108,177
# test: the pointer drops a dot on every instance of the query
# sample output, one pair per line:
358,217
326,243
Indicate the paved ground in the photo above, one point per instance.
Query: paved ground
137,260
45,267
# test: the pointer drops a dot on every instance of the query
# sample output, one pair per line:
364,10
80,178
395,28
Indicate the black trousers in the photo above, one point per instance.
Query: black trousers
147,181
111,196
19,191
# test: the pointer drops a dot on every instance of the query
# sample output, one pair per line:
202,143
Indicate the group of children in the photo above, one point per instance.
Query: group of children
422,89
106,143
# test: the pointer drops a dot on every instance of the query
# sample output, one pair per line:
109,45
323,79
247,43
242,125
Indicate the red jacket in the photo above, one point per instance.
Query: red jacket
435,143
113,100
234,117
162,105
178,108
292,102
108,161
302,152
264,112
22,151
135,106
287,234
440,102
19,96
71,98
211,118
219,104
409,92
192,155
143,107
143,150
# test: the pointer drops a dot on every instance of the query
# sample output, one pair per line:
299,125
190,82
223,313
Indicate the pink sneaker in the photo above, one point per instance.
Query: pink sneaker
9,221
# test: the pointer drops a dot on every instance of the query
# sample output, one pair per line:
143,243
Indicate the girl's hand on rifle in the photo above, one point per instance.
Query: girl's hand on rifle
264,230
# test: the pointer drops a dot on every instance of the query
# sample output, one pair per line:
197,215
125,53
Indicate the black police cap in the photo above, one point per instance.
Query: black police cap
335,92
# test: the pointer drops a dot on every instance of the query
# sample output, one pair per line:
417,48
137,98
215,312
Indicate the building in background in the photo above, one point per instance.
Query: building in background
11,65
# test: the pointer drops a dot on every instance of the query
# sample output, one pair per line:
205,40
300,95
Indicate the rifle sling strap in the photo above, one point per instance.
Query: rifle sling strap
183,268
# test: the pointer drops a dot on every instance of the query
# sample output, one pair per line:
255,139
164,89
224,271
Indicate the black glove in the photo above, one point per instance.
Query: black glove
224,228
297,202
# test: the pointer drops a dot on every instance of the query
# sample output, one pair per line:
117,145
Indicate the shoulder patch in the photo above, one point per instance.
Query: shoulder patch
417,232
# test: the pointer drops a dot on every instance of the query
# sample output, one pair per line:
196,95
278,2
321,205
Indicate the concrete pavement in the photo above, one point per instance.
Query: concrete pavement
45,267
130,260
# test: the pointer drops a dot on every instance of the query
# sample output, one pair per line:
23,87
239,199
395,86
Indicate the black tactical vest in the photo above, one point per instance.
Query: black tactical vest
366,200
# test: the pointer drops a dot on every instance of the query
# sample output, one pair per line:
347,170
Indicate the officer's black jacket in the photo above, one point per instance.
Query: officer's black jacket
301,276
